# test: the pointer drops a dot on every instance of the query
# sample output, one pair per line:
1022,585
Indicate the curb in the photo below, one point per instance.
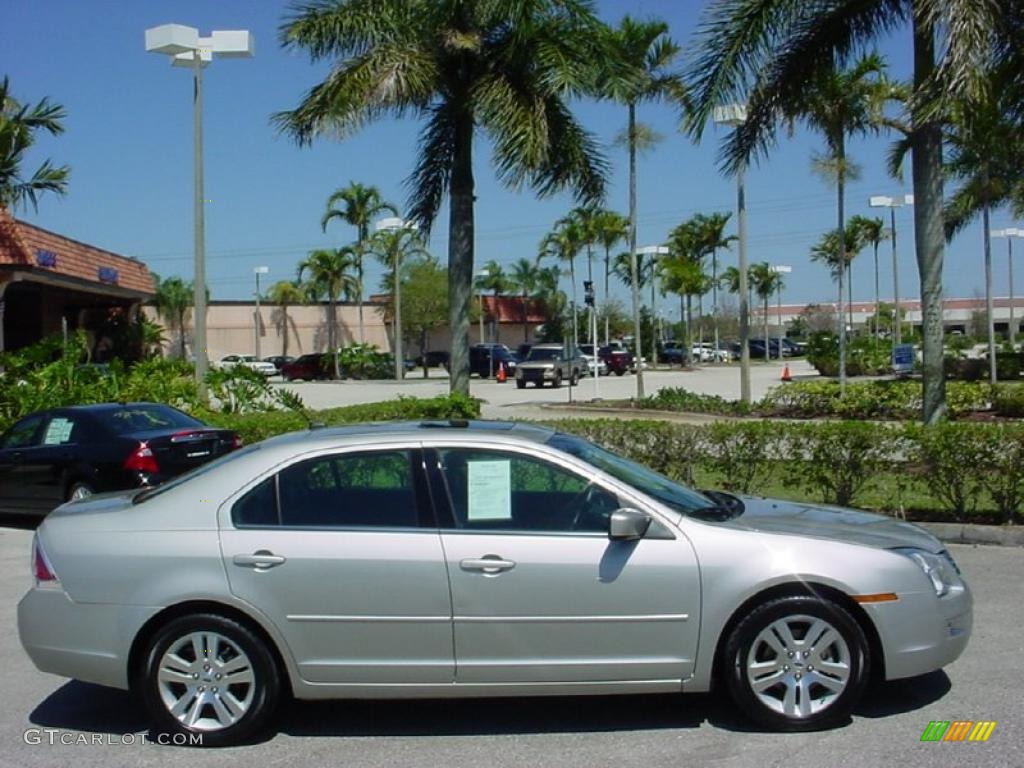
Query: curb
967,533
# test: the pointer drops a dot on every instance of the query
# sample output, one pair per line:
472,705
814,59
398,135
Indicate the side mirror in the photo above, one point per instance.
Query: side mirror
628,525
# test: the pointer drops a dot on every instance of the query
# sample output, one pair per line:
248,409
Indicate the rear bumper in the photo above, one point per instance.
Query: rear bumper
84,641
921,633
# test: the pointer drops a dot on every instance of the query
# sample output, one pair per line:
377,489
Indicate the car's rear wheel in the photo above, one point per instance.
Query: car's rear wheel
557,383
209,676
574,378
79,490
797,664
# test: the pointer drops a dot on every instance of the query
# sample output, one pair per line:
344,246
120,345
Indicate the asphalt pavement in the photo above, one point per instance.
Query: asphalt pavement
103,728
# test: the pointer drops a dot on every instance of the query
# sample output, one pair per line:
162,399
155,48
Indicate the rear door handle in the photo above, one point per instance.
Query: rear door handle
261,560
491,564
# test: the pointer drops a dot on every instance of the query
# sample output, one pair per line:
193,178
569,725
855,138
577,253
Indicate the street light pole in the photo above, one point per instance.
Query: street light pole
187,49
259,271
892,203
735,115
1009,234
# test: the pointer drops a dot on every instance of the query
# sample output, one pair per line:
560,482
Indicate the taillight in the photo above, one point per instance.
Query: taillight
41,568
142,460
236,442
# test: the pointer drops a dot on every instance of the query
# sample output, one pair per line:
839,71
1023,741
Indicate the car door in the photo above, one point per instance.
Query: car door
540,594
47,463
341,552
16,476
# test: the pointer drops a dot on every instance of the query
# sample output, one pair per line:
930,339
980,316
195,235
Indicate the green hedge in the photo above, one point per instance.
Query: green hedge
956,471
259,426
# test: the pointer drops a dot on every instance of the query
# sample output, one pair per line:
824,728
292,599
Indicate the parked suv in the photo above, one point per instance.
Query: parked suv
485,359
307,367
550,363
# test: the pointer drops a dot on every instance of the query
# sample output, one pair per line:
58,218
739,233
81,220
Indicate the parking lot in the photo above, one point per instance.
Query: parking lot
696,730
503,401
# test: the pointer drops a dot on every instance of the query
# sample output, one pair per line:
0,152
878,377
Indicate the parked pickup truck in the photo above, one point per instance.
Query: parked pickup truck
550,363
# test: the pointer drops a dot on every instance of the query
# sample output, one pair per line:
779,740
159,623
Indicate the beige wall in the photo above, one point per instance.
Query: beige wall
230,329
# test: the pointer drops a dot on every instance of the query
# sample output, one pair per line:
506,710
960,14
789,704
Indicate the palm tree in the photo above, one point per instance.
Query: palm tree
766,282
638,68
507,69
712,237
765,52
394,247
837,254
873,232
285,293
610,228
361,204
491,278
524,277
331,273
18,125
588,218
564,243
173,300
684,277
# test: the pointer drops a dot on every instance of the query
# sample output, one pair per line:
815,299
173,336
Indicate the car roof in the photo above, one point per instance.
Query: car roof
415,430
548,346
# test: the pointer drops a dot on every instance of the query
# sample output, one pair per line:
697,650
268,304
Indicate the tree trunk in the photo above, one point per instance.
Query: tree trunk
181,333
575,327
877,335
332,333
284,341
688,352
607,273
767,341
841,233
990,326
929,237
526,328
460,253
399,361
635,287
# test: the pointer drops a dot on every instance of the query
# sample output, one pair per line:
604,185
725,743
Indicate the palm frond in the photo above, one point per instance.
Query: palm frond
430,180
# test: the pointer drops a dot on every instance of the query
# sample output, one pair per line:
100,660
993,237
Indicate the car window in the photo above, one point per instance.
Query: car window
61,430
349,490
544,354
258,507
24,433
494,490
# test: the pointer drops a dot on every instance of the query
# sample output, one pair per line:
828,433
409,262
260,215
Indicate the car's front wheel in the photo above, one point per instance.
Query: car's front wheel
211,677
797,664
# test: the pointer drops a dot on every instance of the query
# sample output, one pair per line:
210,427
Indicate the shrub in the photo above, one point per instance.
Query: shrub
838,458
1002,468
1008,400
953,456
680,399
741,451
365,361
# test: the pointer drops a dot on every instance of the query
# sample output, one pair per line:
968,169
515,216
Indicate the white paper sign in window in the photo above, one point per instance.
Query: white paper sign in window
489,490
58,431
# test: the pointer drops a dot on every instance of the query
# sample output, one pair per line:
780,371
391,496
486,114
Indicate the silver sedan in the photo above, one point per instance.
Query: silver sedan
476,559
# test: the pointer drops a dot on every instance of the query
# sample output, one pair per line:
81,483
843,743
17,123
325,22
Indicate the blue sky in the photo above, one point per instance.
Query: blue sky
129,143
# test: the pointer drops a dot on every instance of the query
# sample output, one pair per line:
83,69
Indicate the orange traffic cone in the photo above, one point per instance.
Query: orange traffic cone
786,376
501,376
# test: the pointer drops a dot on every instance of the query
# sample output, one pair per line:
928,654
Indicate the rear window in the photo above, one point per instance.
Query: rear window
202,469
140,418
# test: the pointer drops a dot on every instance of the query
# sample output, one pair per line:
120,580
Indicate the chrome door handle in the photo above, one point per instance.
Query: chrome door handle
261,560
488,564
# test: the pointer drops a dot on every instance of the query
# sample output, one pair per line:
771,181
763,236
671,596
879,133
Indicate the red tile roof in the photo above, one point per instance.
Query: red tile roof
26,245
509,309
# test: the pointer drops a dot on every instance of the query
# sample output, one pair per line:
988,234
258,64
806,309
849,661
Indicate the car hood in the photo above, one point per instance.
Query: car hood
836,523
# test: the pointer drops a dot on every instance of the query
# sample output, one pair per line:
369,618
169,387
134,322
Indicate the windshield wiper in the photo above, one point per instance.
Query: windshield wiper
717,513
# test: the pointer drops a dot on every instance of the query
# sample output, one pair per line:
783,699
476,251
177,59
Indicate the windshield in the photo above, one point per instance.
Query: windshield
142,418
668,492
545,354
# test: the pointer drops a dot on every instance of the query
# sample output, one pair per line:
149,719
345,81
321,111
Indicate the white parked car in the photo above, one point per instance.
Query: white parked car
589,354
249,361
705,352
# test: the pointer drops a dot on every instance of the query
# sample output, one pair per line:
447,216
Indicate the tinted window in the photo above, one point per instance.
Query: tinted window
139,418
258,507
490,490
361,490
23,434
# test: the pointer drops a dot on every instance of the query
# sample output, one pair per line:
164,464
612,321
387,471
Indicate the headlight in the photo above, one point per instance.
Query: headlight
940,568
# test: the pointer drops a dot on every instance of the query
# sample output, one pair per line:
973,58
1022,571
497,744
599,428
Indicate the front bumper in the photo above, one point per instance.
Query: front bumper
84,641
535,374
920,632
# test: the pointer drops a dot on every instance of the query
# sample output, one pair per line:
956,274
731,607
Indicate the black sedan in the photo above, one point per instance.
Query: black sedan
49,457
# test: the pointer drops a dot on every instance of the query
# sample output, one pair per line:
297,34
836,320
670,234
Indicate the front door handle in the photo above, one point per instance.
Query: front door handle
490,564
261,560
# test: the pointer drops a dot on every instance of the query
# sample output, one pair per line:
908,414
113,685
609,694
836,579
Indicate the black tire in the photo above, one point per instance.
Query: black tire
79,486
574,377
620,372
557,383
520,384
800,611
266,683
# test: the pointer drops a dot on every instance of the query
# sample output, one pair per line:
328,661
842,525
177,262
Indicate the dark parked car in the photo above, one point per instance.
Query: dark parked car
49,457
306,367
434,359
673,353
619,361
757,349
278,361
484,360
